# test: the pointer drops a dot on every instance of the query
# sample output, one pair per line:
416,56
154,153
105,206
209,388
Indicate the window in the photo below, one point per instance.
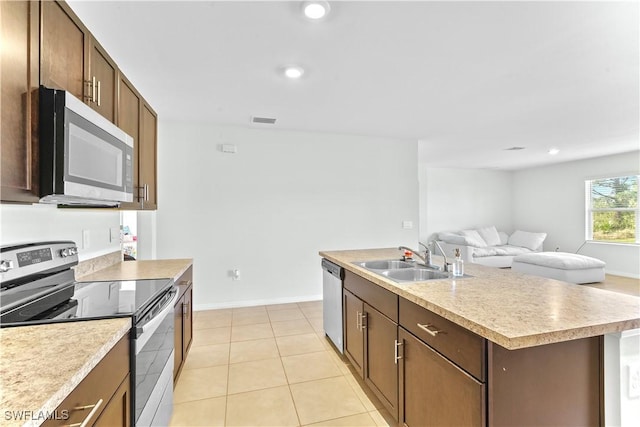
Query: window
612,209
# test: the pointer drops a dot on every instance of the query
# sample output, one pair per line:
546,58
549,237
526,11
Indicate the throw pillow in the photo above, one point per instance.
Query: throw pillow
527,240
472,238
504,237
490,235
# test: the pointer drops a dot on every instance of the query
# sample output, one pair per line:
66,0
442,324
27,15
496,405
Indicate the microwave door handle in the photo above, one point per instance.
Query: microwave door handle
144,332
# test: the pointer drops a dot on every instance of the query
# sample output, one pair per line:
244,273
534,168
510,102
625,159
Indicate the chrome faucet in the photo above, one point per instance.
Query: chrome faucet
426,259
446,264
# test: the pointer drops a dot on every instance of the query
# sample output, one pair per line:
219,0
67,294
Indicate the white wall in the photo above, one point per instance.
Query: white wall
27,223
268,209
552,199
455,199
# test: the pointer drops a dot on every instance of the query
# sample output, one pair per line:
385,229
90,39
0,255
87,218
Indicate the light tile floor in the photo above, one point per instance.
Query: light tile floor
269,366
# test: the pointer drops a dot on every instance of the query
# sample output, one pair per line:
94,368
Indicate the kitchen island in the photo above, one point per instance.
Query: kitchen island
495,348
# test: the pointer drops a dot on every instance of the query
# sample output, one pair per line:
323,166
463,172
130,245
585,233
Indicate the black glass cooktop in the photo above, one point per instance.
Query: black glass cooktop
98,299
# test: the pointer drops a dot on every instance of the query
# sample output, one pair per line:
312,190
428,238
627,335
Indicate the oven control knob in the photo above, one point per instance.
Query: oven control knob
70,251
5,265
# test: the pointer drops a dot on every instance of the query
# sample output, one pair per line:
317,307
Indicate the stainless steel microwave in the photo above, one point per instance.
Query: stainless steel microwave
84,159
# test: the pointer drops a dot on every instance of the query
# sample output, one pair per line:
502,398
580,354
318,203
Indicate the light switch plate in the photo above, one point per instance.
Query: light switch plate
407,224
86,239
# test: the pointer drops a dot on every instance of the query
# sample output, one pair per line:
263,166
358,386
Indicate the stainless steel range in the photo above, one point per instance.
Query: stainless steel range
37,286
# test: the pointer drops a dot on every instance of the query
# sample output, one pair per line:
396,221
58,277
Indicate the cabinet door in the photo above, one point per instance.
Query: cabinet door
353,336
19,104
147,159
178,327
381,369
63,50
187,322
103,73
117,413
129,107
435,392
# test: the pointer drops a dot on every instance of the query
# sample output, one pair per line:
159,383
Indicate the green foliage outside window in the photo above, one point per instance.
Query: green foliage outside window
614,209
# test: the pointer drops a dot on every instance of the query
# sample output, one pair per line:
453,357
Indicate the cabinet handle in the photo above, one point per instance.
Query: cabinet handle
426,328
93,89
99,93
396,356
363,322
185,309
146,192
358,320
88,417
186,283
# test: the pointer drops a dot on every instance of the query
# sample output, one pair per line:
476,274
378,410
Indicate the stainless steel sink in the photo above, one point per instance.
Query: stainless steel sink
414,275
387,264
402,271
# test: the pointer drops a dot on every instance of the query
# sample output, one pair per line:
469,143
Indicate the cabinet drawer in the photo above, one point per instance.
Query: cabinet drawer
100,384
459,345
384,301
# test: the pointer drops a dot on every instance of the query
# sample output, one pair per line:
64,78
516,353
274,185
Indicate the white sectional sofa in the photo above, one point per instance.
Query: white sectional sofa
488,246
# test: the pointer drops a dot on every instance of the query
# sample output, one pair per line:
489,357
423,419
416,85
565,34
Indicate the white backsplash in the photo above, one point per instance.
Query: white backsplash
95,231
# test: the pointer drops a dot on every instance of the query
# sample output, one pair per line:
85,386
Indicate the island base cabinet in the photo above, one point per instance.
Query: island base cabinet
434,391
548,385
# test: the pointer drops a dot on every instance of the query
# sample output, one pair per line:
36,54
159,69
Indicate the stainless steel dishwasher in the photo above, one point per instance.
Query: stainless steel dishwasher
332,277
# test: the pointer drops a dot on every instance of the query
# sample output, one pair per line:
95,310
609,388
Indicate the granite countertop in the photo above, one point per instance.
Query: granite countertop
140,270
40,365
514,310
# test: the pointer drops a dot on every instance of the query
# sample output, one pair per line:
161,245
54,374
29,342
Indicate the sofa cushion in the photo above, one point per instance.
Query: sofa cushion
512,250
561,260
489,235
527,240
454,239
473,238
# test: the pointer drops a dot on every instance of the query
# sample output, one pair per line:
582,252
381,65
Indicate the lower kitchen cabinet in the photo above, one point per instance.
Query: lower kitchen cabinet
381,362
434,391
103,398
183,321
370,337
353,336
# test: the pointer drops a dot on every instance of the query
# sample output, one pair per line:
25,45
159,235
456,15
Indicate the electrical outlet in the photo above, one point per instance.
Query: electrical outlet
634,380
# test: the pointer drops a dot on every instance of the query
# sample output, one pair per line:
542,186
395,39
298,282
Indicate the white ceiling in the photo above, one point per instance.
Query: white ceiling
469,79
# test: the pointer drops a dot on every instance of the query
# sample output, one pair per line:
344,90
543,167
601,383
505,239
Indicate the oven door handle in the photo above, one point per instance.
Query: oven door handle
150,327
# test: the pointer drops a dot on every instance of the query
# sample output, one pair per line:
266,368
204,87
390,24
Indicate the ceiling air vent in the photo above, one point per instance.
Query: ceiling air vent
514,148
262,120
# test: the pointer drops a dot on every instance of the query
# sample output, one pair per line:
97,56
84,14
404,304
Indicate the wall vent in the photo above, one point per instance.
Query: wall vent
263,120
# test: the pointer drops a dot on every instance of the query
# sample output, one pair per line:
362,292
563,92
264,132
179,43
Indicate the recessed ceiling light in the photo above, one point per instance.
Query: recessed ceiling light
315,9
554,151
293,71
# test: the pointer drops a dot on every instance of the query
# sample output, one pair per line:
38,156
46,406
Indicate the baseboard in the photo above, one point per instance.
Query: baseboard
622,274
251,303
